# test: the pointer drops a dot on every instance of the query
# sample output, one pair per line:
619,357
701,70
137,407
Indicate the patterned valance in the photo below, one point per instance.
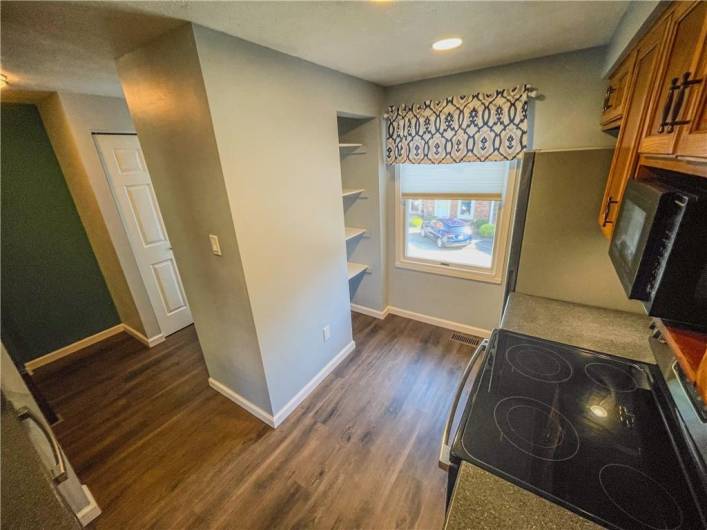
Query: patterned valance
473,128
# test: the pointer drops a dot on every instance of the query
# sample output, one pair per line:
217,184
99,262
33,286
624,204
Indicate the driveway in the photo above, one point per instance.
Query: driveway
478,253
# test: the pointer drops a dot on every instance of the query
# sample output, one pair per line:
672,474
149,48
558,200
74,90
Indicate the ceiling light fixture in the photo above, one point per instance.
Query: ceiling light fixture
599,411
3,80
447,44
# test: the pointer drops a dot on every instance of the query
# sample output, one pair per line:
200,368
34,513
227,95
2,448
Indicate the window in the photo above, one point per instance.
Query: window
452,218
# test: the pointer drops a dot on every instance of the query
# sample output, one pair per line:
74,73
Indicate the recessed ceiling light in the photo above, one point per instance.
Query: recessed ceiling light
3,80
447,44
599,411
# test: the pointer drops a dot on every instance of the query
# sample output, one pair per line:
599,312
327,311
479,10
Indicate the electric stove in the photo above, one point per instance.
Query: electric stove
583,429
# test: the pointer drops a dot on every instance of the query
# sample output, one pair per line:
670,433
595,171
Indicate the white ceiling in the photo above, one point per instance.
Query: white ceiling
72,46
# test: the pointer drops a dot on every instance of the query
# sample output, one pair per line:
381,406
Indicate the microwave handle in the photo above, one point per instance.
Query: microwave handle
665,243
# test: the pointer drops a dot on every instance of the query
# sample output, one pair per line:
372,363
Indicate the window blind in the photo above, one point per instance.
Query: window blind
473,180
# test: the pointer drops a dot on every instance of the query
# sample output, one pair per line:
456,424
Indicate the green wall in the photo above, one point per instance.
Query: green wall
53,292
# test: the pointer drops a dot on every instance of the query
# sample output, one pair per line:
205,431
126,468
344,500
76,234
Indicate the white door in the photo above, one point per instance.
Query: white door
132,189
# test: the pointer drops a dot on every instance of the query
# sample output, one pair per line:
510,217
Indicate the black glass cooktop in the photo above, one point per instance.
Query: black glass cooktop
580,428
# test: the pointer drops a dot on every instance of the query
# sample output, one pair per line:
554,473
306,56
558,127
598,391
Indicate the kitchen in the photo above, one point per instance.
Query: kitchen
581,400
571,418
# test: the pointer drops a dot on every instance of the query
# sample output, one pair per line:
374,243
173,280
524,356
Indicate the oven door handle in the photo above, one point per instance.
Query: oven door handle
444,460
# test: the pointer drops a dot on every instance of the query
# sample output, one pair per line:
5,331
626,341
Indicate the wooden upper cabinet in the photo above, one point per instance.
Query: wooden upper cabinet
692,136
617,93
680,82
623,165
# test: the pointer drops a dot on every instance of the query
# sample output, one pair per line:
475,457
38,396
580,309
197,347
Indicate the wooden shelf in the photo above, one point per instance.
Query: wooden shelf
351,149
352,233
355,269
349,192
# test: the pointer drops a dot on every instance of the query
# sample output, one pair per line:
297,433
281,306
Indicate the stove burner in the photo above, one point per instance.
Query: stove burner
611,377
538,363
536,428
640,497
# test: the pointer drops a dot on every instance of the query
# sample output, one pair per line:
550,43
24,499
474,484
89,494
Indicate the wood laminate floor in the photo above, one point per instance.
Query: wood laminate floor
160,449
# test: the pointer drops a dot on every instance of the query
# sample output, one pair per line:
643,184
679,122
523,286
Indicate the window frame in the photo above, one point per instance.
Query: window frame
500,249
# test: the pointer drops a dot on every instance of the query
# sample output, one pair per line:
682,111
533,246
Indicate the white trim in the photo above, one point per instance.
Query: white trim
427,319
62,352
500,247
291,405
149,342
442,323
89,512
72,348
242,402
370,312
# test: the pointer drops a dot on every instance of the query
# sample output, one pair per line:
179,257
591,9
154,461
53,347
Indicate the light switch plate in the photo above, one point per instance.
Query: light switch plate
326,332
215,245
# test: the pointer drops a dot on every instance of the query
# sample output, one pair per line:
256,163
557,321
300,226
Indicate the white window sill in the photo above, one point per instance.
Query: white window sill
450,270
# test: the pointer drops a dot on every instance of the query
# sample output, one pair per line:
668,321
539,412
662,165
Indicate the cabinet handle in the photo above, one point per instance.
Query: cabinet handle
668,105
680,100
607,98
607,211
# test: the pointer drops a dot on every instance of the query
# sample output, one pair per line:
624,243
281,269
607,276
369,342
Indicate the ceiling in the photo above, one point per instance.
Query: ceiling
72,46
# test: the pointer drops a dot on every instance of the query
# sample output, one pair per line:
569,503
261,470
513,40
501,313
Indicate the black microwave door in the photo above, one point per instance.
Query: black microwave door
632,237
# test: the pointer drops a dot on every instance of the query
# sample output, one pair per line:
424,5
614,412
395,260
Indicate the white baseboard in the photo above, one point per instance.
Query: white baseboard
284,412
62,352
149,342
291,405
370,312
69,349
427,319
442,323
239,400
91,510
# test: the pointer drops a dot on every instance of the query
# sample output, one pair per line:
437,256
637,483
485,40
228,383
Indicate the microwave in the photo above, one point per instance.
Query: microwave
659,247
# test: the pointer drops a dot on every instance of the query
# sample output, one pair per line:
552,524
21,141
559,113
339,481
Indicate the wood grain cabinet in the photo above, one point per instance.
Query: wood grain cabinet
692,140
616,94
645,62
677,121
658,98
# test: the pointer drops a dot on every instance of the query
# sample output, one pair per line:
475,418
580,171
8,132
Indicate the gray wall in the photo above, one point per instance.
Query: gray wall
636,18
165,93
564,116
564,255
274,120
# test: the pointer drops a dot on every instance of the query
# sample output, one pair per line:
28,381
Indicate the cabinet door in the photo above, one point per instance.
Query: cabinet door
692,135
685,30
623,165
617,92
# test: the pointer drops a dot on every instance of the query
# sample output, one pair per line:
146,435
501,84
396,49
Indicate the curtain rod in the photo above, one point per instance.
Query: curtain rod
532,92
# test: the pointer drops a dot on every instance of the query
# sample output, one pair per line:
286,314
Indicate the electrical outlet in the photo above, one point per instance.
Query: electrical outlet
326,332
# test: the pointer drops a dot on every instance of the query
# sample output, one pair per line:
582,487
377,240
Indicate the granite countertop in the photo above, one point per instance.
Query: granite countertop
482,500
605,330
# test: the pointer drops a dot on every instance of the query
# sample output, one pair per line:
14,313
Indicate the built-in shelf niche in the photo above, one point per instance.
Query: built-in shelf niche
353,179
